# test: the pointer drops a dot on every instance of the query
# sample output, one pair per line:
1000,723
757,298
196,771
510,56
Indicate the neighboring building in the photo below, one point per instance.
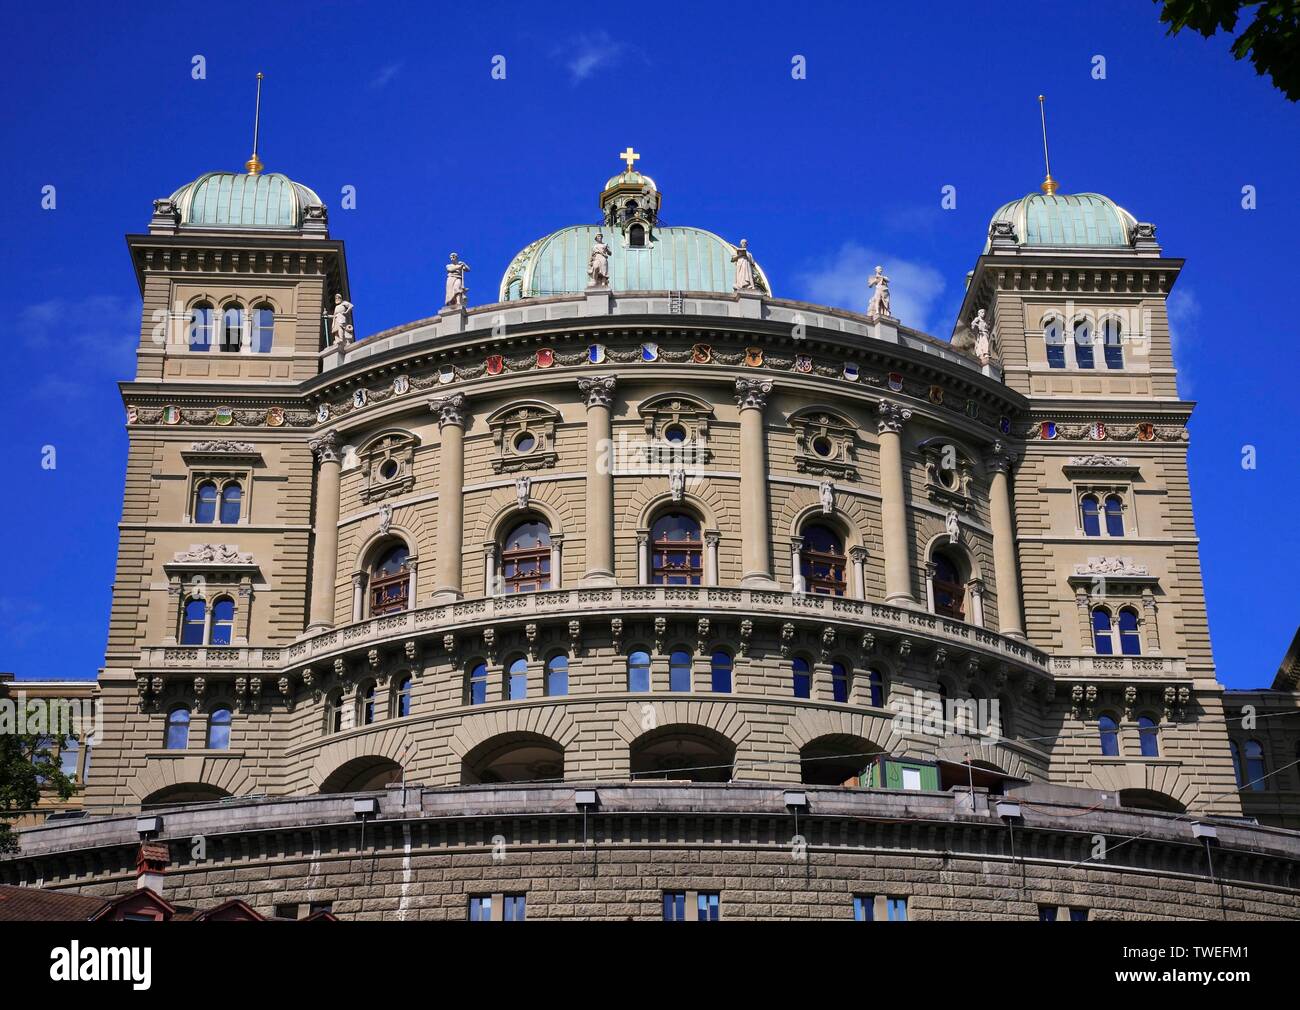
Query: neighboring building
661,532
1264,738
67,717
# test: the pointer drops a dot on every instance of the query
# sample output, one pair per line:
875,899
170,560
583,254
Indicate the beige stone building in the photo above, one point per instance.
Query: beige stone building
643,526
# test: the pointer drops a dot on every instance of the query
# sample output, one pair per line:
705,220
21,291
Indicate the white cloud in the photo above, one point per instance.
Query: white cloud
841,281
81,341
1184,310
385,75
588,53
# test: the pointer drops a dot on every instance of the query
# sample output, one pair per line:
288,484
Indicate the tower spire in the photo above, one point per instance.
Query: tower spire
1049,184
254,164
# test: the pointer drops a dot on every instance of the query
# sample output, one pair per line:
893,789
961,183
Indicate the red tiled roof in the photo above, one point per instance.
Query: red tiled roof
32,904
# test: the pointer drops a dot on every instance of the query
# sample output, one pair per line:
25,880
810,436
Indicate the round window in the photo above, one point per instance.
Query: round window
525,441
675,433
948,478
388,469
823,447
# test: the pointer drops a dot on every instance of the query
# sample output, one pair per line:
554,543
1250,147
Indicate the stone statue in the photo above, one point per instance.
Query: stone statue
341,322
456,289
598,263
979,327
826,491
677,484
953,528
879,305
744,261
385,519
523,491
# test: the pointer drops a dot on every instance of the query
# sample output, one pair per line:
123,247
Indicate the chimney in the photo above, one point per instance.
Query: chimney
151,865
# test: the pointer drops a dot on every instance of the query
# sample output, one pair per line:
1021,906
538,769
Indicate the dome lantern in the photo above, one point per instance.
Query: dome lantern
630,203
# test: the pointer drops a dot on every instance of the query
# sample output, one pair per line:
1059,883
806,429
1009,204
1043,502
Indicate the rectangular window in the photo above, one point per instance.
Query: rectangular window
897,909
707,906
1078,915
480,909
912,778
287,911
674,906
514,907
864,908
1046,913
321,906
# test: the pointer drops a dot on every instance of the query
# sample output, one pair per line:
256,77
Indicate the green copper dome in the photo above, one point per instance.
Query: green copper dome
674,259
1081,219
244,200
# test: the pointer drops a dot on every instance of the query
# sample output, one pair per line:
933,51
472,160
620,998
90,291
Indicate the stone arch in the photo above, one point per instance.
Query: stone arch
549,721
184,794
838,415
502,519
812,724
1145,778
224,774
687,751
832,760
722,718
545,497
982,753
401,433
379,744
934,537
653,496
803,505
514,757
362,774
369,545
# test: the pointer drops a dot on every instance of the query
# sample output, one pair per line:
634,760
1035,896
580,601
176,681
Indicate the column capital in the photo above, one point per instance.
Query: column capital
892,417
751,394
711,537
450,409
598,390
325,447
857,555
999,458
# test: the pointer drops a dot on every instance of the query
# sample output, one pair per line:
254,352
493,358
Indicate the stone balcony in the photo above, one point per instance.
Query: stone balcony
894,626
1123,667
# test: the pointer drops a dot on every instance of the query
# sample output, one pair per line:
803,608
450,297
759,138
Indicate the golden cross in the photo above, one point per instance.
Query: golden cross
630,156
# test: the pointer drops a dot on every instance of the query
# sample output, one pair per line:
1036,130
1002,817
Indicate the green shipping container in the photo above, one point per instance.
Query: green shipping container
898,773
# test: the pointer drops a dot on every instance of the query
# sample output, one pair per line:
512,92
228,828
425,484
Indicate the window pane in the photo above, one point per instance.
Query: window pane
877,682
1149,737
219,729
223,621
205,504
478,684
721,670
200,335
674,906
231,495
194,624
1083,344
232,329
1129,640
518,674
1101,639
557,675
679,671
178,729
1091,522
839,682
897,909
1111,340
1109,736
638,672
263,329
404,698
707,906
802,677
68,757
864,908
1054,338
1114,516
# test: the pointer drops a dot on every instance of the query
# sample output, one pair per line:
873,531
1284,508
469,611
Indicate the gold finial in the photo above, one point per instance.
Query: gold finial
254,164
630,156
1049,184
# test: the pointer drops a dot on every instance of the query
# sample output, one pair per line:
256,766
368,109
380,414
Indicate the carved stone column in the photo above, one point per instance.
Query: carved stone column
796,567
711,541
557,560
325,531
451,502
858,560
489,568
643,557
1150,627
1005,567
598,391
975,591
893,505
755,515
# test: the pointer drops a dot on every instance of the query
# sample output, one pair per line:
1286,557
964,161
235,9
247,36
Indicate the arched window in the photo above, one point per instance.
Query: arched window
638,671
949,594
1089,514
679,670
1112,342
557,675
721,667
1114,516
1148,737
1109,731
477,684
636,236
1236,763
232,328
202,321
178,728
223,621
219,729
1255,770
1054,339
334,712
821,561
876,683
677,550
194,623
231,497
1083,343
366,704
839,682
390,581
517,674
68,756
263,328
1103,644
205,502
1130,641
802,673
402,704
526,557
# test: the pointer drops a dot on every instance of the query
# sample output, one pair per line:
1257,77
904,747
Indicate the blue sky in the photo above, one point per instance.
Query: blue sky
823,176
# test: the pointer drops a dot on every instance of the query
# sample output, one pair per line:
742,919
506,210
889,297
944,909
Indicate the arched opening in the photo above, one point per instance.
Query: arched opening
390,580
636,236
1114,516
1083,343
822,560
232,328
263,328
1149,799
836,760
677,550
202,323
183,792
1088,516
1054,339
514,757
526,557
362,775
683,753
947,583
1112,342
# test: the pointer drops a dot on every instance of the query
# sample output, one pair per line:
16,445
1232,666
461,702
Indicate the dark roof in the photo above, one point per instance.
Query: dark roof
32,904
